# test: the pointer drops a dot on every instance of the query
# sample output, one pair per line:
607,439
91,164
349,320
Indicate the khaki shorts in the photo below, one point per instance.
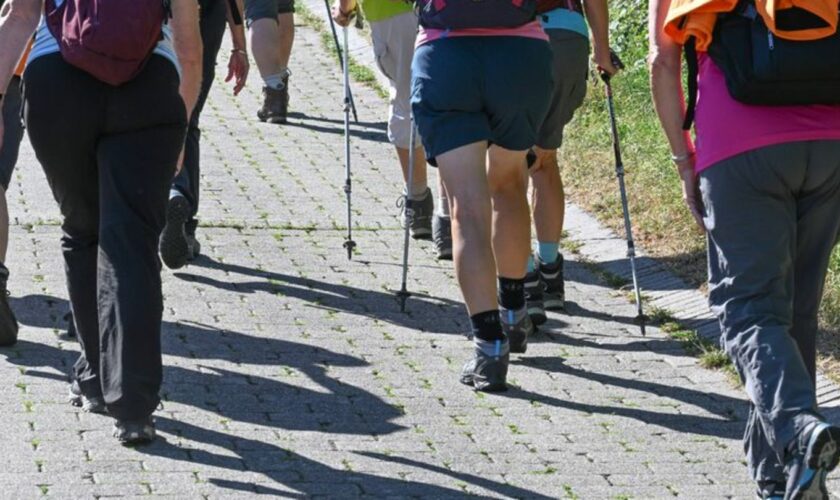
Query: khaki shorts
393,46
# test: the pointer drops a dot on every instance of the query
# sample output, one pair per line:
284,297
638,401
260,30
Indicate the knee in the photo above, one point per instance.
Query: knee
508,182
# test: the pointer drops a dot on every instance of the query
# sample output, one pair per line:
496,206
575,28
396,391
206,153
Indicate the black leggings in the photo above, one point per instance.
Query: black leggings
109,154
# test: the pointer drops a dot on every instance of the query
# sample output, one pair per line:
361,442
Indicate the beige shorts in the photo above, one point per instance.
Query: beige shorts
393,46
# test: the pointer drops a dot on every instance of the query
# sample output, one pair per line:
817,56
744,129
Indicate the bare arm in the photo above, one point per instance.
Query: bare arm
18,21
187,34
598,17
665,73
238,65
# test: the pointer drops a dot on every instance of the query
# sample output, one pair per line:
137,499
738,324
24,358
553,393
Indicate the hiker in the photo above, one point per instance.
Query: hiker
481,81
11,136
272,25
393,29
108,137
763,181
566,27
178,244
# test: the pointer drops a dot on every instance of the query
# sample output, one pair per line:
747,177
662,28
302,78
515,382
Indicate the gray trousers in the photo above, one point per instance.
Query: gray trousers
773,218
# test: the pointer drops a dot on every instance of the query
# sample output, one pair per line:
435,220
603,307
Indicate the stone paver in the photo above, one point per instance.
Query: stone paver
290,371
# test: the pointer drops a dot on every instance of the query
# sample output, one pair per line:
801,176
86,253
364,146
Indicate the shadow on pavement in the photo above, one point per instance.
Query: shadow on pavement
437,315
304,476
732,412
372,131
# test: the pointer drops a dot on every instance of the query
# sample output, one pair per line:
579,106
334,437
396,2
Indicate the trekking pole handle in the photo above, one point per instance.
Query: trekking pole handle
616,61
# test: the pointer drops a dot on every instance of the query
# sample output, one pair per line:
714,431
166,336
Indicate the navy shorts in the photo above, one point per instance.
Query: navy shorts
267,9
12,132
471,89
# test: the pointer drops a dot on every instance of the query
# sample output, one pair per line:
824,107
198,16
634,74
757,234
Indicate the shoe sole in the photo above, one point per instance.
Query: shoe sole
174,248
444,256
555,304
822,457
484,387
422,234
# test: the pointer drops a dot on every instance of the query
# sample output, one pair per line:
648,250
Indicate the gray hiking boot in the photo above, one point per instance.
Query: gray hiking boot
534,298
488,373
8,323
770,490
93,404
554,289
135,432
815,453
517,326
418,215
442,235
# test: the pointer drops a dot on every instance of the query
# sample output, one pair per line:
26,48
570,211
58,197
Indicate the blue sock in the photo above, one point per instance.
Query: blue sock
548,251
532,266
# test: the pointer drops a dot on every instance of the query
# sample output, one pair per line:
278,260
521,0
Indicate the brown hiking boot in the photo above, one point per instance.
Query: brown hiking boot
275,103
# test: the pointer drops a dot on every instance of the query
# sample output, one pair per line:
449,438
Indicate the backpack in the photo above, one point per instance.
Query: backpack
467,14
762,67
110,39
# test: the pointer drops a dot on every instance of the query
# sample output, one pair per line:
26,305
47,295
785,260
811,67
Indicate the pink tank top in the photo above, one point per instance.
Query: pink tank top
726,128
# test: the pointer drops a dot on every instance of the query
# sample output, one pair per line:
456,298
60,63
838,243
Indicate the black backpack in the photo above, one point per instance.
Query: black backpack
763,69
465,14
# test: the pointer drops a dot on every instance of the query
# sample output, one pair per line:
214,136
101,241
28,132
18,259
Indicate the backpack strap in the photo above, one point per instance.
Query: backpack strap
692,64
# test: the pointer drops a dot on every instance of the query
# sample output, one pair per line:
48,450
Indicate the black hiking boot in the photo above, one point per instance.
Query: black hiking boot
517,326
442,235
174,245
534,298
92,404
554,289
418,215
135,432
8,322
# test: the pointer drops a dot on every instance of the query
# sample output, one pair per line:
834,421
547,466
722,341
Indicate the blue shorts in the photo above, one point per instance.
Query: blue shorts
470,89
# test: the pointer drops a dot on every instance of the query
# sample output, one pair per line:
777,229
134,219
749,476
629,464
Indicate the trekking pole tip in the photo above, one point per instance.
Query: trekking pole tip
642,320
350,245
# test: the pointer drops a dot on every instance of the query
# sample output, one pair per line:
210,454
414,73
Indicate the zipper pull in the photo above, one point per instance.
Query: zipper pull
771,41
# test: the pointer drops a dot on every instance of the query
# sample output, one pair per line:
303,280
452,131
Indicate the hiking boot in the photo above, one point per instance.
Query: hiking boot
174,245
275,106
135,432
8,323
534,298
816,453
442,235
93,404
554,290
517,326
770,490
71,325
488,373
418,215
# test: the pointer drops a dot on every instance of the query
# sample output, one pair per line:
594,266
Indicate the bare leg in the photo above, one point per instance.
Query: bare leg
508,182
547,197
419,166
271,43
464,174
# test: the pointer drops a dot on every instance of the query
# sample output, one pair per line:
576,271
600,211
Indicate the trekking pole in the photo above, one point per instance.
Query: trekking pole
349,244
342,60
404,294
619,172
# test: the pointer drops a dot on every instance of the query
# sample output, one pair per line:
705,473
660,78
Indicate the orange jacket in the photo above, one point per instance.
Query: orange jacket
697,18
22,64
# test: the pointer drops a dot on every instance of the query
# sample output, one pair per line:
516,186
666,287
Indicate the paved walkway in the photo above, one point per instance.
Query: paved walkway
290,371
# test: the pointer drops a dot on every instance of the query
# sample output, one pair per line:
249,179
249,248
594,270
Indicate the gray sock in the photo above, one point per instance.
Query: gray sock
418,191
275,81
443,207
492,348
